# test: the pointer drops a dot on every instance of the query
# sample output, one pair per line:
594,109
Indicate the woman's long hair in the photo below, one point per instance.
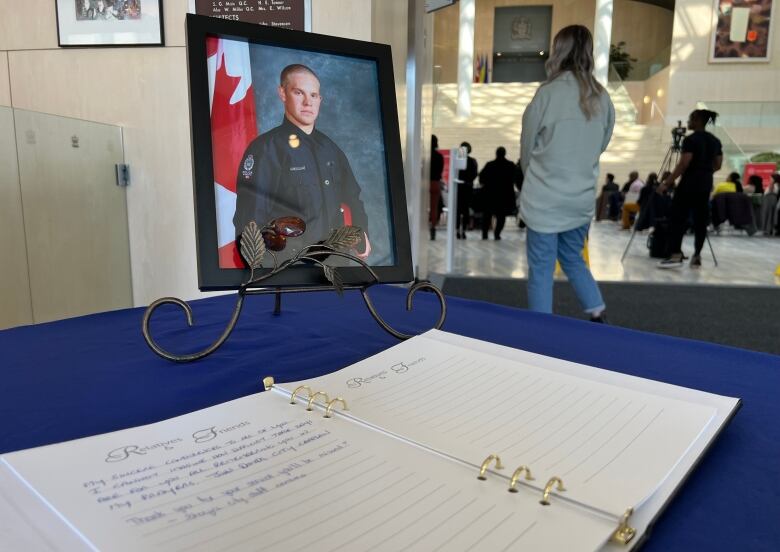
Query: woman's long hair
573,51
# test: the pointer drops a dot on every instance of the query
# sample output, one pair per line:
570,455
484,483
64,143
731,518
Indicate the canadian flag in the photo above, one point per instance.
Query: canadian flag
233,127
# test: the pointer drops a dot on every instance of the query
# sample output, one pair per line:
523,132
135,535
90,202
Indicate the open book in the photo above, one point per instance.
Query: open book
415,448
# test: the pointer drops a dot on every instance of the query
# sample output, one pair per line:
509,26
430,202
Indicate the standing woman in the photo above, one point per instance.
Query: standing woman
702,155
566,127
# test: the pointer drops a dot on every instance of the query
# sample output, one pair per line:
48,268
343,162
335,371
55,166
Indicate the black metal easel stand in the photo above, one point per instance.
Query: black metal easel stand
245,290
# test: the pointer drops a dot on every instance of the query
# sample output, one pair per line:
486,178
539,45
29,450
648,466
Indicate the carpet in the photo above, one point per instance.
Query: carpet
745,317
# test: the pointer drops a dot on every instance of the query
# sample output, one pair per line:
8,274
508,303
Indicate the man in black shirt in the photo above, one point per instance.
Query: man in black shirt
702,155
497,178
466,179
296,170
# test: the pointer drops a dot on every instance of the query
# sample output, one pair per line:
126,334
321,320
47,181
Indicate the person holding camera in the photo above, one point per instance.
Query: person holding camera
702,156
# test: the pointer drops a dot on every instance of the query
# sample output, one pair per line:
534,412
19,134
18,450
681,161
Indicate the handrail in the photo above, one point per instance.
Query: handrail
642,70
726,132
700,104
613,77
655,107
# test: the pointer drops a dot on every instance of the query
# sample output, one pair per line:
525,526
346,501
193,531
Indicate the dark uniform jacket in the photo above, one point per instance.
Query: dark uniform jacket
286,172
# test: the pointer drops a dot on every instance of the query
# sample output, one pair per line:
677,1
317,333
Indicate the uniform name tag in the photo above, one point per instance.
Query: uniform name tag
298,168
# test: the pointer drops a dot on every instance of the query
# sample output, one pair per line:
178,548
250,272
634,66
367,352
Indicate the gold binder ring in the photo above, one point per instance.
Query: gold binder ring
332,403
624,533
314,396
486,464
515,476
548,488
297,390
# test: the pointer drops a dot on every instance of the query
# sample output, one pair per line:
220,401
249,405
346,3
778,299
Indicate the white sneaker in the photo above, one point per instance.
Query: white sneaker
671,262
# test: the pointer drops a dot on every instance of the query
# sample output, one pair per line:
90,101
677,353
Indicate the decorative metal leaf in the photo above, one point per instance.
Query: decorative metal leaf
252,245
334,277
344,237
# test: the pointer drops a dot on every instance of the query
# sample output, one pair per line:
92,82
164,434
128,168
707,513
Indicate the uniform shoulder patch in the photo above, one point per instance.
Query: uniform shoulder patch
249,164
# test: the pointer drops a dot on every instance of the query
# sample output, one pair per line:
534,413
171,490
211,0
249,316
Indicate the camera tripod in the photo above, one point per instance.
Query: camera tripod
670,161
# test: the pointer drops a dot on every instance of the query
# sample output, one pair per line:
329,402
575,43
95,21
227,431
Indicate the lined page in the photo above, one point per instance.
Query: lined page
611,446
261,474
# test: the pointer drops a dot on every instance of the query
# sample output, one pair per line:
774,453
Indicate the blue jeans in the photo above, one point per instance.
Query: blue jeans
542,250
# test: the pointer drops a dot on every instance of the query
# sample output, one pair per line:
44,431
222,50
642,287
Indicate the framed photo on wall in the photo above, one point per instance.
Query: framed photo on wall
110,23
742,31
283,14
292,124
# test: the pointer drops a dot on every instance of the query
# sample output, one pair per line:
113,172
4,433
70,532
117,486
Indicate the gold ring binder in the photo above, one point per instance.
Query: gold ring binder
515,476
486,463
333,402
297,389
314,396
268,382
548,488
624,533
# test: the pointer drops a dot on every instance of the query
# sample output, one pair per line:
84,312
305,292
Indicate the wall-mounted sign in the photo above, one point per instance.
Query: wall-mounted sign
286,14
764,170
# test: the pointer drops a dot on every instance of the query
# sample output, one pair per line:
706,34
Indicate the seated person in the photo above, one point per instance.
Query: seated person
631,198
732,184
755,185
603,203
648,189
652,205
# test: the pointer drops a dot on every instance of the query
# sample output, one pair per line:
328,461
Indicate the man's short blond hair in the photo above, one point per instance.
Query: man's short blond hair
294,68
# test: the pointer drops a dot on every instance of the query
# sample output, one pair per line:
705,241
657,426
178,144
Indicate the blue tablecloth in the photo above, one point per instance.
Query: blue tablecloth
95,374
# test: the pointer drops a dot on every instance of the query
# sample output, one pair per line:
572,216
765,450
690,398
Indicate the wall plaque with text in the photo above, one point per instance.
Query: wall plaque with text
288,14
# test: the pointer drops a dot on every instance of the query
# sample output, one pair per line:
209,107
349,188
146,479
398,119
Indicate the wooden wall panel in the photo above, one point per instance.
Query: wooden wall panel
15,305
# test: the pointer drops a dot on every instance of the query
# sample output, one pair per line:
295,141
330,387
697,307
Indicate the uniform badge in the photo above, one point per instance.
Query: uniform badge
249,164
294,141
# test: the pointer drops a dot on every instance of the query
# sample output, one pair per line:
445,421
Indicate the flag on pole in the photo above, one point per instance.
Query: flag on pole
233,127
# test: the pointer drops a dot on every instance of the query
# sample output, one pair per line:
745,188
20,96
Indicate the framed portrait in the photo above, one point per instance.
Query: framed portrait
283,14
742,31
292,124
110,23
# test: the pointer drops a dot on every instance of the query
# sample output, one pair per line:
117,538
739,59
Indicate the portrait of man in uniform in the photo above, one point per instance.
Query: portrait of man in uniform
294,169
295,125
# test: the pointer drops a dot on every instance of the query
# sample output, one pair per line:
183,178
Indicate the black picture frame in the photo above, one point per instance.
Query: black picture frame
210,276
79,27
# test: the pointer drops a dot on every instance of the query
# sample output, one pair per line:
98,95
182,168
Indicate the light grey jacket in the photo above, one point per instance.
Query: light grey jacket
559,152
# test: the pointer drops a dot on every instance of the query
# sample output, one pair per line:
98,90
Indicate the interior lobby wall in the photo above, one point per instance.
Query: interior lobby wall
143,90
389,25
656,89
564,12
646,29
5,84
693,78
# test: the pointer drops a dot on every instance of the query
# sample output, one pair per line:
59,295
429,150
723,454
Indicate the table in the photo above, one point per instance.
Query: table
94,374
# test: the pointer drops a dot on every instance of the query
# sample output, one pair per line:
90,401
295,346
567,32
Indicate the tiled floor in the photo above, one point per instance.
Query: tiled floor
742,260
